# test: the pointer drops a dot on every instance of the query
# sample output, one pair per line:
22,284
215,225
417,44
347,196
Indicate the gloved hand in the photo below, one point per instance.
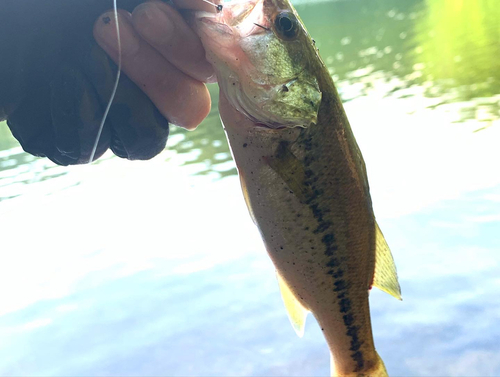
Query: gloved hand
55,81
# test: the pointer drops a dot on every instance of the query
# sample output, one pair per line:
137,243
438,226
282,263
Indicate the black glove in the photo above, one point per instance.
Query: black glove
55,83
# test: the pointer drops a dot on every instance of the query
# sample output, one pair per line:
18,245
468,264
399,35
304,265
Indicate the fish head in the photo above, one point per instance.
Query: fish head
263,56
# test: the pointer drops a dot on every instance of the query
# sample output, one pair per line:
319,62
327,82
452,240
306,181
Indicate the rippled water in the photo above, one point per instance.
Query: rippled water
154,268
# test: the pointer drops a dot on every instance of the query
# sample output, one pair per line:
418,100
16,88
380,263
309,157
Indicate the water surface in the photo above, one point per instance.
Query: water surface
154,268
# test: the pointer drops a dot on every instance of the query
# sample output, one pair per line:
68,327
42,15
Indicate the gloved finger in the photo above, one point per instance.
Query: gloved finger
164,29
180,98
76,117
31,123
49,122
140,132
138,129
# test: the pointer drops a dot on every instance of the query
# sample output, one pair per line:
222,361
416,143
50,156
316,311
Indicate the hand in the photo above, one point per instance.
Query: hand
163,56
55,83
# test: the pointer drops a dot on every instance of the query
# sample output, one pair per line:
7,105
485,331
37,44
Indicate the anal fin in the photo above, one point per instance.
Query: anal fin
385,277
247,197
296,312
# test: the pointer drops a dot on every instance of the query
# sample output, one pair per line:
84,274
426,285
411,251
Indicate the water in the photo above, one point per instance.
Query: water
154,268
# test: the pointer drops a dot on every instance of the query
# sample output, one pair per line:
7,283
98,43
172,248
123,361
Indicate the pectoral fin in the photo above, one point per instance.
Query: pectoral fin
291,170
385,277
296,312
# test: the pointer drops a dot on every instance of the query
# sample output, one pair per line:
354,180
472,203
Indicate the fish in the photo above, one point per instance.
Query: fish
302,174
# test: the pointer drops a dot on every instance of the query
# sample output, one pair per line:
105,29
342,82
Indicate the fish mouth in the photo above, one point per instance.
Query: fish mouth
241,17
242,12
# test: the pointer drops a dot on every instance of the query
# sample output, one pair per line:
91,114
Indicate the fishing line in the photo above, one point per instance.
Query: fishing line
218,7
115,87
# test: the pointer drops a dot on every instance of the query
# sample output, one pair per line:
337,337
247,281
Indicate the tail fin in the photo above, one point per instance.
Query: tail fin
376,370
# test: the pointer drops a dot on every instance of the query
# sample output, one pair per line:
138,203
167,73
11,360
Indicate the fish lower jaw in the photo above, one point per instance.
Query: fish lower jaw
255,112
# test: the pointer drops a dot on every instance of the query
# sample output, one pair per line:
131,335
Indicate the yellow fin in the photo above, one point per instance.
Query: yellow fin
296,312
247,197
385,277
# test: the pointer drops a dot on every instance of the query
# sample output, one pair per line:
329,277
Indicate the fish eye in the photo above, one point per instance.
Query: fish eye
286,25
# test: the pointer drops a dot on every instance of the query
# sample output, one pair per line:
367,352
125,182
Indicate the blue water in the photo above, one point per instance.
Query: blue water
155,268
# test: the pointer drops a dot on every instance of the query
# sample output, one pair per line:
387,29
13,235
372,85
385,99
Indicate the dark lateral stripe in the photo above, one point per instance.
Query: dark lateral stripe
333,263
345,305
322,227
353,333
348,319
330,243
340,285
328,239
325,227
317,212
330,251
338,274
358,358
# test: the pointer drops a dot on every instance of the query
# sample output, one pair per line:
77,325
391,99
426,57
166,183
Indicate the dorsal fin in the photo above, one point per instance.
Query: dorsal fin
296,312
385,277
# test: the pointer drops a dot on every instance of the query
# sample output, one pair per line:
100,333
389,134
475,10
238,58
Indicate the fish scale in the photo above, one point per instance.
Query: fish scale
303,177
319,263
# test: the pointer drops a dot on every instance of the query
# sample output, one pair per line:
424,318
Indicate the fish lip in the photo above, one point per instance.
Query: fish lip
237,12
236,17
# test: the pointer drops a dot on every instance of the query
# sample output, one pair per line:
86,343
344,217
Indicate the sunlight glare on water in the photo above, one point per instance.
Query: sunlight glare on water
155,268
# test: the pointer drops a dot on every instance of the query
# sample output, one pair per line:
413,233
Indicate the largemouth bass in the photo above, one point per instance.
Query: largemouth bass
302,174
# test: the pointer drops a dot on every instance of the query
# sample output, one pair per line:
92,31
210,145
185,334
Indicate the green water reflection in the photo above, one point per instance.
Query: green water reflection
208,141
458,45
7,141
443,49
